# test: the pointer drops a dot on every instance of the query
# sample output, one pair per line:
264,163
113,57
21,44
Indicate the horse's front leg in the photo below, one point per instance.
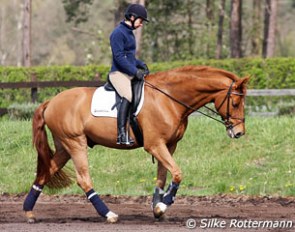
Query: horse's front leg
161,199
157,205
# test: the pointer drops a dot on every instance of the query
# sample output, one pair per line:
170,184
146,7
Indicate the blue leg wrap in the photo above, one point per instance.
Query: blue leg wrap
98,204
32,197
170,194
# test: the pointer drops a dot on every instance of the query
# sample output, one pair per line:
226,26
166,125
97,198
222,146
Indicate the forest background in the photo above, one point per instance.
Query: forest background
76,32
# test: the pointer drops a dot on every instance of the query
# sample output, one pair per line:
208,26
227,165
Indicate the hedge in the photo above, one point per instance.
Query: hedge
51,73
275,73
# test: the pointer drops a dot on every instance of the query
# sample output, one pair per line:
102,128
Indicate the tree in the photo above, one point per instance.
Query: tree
171,35
189,10
119,11
19,15
77,10
236,28
210,23
3,54
218,53
270,20
27,33
138,32
256,28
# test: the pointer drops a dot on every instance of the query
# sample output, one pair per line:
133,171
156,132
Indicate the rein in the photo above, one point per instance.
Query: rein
225,122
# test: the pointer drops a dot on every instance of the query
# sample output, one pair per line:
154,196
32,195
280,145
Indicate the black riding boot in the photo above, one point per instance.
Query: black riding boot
123,112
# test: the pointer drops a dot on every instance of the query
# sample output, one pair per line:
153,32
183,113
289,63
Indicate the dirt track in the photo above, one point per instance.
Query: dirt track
74,213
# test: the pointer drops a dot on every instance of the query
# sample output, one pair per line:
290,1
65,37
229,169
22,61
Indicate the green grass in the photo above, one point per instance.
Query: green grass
259,163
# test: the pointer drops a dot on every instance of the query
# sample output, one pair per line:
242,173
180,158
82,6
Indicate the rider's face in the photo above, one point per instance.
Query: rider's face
138,23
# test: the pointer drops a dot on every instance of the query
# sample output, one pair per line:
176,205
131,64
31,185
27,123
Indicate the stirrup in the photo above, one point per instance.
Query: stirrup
127,141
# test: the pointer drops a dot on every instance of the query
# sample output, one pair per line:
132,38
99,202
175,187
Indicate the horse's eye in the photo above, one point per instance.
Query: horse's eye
235,104
236,100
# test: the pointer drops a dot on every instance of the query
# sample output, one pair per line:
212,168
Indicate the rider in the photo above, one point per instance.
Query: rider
125,66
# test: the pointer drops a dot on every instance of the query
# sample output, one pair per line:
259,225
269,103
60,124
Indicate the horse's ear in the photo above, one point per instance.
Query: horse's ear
242,83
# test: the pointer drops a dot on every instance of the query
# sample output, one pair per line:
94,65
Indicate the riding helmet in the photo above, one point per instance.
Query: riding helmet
136,10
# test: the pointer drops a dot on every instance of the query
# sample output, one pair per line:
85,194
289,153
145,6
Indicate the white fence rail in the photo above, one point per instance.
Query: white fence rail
271,92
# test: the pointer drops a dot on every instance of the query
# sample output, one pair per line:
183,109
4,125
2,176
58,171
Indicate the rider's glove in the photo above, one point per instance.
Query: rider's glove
145,68
140,74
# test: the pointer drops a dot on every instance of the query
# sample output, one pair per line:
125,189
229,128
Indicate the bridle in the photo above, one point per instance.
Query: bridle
225,121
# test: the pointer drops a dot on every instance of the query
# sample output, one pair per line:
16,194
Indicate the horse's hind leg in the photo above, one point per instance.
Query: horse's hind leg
78,150
59,159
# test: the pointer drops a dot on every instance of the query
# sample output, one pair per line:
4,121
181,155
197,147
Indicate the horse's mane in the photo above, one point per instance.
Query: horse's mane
192,68
203,69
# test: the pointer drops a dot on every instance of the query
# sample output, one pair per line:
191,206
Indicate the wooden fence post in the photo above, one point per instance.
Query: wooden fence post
34,90
97,77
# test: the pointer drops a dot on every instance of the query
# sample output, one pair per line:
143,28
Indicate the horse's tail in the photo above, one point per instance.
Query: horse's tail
60,179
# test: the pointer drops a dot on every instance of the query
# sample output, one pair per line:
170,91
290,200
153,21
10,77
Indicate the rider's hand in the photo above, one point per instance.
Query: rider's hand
145,68
140,74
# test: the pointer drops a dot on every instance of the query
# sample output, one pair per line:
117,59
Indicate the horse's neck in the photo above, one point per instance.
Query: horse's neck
194,92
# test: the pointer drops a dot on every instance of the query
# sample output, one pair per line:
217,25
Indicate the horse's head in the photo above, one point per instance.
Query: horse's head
231,107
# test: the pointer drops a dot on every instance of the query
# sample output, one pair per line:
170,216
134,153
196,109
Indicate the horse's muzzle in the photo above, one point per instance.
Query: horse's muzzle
234,134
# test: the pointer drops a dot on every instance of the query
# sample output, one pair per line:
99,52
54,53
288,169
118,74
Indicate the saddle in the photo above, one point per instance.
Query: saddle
136,96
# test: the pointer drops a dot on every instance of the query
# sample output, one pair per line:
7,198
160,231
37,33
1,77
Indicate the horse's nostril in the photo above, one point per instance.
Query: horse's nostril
238,135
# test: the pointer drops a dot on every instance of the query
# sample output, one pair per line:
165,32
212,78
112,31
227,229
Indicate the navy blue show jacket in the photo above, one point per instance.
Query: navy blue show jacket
123,46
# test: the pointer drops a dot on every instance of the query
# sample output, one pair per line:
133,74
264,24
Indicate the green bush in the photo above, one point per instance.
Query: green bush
287,110
53,73
274,73
21,111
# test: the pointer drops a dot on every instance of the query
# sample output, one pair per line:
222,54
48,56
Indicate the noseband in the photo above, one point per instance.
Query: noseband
225,121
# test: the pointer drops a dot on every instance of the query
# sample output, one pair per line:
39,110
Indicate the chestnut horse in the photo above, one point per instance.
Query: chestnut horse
170,97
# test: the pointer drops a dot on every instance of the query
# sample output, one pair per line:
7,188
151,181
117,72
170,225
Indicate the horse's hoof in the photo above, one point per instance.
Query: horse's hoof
30,217
160,209
31,220
112,217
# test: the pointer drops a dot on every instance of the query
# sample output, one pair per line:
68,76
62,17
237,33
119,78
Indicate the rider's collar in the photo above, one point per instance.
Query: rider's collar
127,25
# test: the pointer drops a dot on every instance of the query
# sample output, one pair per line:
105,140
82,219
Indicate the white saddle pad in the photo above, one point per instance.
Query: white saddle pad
103,102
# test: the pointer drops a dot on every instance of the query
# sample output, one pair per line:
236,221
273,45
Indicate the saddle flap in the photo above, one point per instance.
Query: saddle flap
137,89
103,101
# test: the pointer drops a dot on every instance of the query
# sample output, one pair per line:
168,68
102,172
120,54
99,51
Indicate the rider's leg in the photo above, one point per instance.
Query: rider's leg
122,84
123,113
